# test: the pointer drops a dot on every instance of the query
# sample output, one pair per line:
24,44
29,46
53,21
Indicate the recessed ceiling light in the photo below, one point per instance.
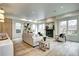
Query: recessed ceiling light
61,7
23,19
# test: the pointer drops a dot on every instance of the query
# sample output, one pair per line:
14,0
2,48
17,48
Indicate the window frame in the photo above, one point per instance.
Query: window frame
18,28
68,26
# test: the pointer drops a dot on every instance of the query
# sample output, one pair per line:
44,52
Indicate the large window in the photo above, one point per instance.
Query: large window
72,27
38,28
68,27
62,27
18,27
41,28
34,28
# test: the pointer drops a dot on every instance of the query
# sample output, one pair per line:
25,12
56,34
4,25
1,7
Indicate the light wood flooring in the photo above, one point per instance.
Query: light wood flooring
56,49
23,49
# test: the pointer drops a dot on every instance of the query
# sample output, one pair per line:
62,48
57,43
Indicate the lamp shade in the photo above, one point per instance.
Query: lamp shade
1,11
1,20
1,15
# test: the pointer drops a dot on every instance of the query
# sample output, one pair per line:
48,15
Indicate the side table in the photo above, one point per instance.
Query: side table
44,45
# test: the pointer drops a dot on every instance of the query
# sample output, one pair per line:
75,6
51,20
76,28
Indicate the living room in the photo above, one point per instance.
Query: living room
39,29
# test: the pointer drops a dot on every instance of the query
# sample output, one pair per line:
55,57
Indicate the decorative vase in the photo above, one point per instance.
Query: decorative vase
44,38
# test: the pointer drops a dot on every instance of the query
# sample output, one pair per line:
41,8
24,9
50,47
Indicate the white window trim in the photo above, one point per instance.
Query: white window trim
67,26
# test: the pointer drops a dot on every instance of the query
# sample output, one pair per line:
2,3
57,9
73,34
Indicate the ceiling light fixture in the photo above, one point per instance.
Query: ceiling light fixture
1,15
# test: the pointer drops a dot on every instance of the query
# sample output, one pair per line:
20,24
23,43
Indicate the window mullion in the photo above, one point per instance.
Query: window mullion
67,28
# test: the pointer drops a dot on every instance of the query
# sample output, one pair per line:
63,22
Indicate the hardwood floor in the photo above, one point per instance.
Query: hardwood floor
56,49
23,49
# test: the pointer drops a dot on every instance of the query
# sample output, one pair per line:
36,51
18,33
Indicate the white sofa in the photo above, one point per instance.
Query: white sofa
31,38
6,47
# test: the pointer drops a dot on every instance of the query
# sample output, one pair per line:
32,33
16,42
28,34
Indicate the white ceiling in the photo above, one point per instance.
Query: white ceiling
38,10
